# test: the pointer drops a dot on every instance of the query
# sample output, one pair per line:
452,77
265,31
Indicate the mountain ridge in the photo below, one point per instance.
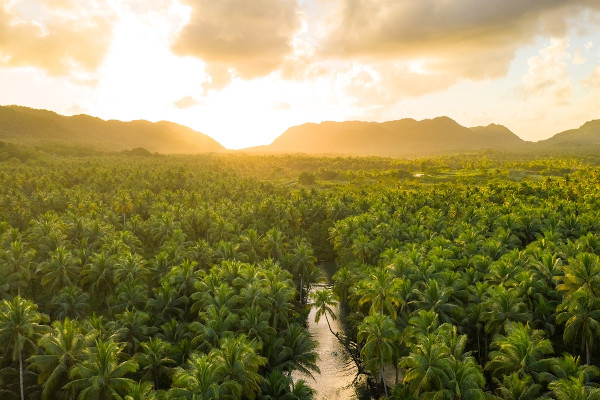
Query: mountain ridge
405,137
34,126
402,137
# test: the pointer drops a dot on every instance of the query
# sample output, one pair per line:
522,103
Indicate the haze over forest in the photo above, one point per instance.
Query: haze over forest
401,138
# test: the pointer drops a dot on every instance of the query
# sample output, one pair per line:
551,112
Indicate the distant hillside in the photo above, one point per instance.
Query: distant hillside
586,135
30,126
404,137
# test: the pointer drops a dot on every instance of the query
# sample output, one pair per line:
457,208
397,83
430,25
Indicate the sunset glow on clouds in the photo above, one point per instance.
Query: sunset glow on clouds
244,71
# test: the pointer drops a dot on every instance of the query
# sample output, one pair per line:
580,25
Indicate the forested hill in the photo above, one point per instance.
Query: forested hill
31,126
404,137
586,135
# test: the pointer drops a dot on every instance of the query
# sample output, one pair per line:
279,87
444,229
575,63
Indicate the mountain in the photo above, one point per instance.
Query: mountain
403,137
31,126
585,136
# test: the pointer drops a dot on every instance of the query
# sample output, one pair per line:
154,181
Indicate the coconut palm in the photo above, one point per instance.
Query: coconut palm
380,290
580,312
100,375
201,379
70,302
324,301
581,273
573,389
379,333
63,347
427,365
465,380
59,271
141,391
240,363
522,351
153,359
302,354
20,329
303,265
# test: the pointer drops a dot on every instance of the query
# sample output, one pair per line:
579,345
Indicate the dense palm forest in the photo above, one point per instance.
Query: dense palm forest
141,276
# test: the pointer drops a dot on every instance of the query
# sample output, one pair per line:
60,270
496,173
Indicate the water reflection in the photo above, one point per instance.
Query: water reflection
338,372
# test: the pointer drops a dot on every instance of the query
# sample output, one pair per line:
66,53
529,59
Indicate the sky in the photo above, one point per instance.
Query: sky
243,71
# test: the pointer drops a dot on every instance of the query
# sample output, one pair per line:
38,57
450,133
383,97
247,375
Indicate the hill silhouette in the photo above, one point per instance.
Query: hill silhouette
403,137
400,138
586,136
25,125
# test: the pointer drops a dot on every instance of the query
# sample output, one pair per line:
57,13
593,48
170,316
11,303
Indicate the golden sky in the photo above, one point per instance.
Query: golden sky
243,71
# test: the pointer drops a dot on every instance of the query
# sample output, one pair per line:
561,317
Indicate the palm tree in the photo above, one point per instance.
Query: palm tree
98,275
123,204
518,387
274,242
20,329
302,391
465,380
437,298
59,271
379,334
153,359
303,263
580,313
582,273
276,386
132,327
70,302
130,267
503,306
303,356
240,364
100,375
281,294
140,391
522,351
63,347
15,265
573,389
426,365
343,280
323,301
200,380
381,290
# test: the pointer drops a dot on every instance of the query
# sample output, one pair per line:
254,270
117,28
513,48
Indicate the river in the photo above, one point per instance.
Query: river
337,380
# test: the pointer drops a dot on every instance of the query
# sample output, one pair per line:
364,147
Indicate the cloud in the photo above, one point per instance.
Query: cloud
593,81
578,58
186,102
548,75
453,39
58,36
282,106
251,37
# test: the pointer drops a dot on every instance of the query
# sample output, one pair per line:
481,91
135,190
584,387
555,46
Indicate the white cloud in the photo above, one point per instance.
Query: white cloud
548,75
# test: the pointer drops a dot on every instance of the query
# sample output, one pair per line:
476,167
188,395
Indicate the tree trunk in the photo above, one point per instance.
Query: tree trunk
588,359
383,381
485,344
354,358
21,375
479,345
